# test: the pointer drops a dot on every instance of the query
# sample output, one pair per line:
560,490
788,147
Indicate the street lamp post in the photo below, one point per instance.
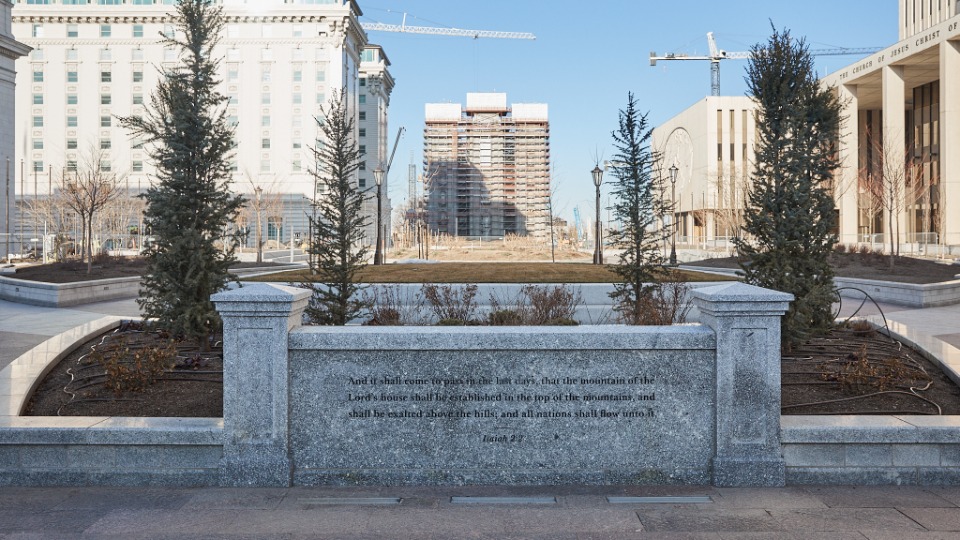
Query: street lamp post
378,252
597,173
673,200
259,192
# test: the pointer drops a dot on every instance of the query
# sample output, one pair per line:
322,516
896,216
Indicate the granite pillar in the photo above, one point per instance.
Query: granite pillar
257,319
746,320
847,180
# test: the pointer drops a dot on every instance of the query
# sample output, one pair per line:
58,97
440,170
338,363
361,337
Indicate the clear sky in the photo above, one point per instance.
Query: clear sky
588,54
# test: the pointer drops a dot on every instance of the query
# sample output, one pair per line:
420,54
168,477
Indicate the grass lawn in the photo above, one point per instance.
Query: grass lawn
484,272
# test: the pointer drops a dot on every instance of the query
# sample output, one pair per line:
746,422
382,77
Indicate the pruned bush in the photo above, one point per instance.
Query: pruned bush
391,305
551,303
451,303
134,375
664,305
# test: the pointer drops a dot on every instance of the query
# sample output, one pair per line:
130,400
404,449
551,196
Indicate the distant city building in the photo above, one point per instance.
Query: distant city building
281,63
486,167
711,144
10,50
376,85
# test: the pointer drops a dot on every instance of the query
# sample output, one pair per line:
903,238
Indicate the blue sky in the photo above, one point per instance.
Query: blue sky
587,56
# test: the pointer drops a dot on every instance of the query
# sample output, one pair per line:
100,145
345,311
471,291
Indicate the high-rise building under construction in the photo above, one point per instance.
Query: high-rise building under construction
486,167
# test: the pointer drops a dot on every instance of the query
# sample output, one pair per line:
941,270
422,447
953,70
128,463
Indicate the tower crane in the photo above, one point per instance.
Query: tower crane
475,34
716,55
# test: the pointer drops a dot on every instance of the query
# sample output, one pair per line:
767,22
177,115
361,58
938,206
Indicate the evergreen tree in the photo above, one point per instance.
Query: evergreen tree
790,219
637,210
190,205
338,229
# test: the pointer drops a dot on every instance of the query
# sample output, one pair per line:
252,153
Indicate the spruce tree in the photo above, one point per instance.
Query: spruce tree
337,248
637,210
790,217
190,204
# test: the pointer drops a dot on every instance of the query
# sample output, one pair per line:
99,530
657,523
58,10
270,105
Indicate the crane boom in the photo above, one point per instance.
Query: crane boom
475,34
717,54
394,151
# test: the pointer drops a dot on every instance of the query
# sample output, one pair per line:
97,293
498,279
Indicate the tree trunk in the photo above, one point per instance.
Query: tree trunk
89,247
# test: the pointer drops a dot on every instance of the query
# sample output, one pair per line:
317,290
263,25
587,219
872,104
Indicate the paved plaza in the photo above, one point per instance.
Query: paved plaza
608,513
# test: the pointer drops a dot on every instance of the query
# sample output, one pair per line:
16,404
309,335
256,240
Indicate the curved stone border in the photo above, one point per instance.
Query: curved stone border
96,450
944,293
41,293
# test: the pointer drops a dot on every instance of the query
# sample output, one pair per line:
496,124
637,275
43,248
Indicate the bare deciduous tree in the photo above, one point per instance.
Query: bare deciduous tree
91,188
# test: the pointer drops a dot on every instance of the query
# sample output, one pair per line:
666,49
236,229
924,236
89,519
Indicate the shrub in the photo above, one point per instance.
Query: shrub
665,306
126,374
391,305
551,303
451,303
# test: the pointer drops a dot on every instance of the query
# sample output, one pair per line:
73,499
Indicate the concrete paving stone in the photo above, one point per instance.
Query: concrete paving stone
188,523
237,498
950,493
843,519
879,496
806,535
766,498
952,339
935,519
893,535
15,344
28,499
54,523
709,520
105,499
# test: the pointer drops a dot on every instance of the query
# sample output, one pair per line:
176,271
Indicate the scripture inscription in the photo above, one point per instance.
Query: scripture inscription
398,397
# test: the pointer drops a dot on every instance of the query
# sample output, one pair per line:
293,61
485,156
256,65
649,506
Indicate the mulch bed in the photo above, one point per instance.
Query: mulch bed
84,383
868,266
854,370
103,268
859,370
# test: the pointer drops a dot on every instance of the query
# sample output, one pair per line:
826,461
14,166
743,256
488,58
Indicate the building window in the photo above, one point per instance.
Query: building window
37,121
297,54
265,121
136,144
265,165
71,121
38,166
363,165
105,121
232,99
105,30
106,99
297,144
106,144
297,121
363,132
105,55
363,149
137,166
266,55
298,30
137,55
169,55
297,98
265,144
72,77
298,75
71,99
233,75
138,30
71,165
362,183
363,82
72,31
233,54
321,75
169,31
36,54
105,165
363,99
297,167
37,76
265,74
363,115
233,31
321,98
106,76
138,99
37,31
71,144
110,2
233,121
38,144
72,55
38,99
137,76
264,99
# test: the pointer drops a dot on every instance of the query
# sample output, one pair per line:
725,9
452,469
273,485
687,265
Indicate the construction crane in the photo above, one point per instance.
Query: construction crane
475,34
716,55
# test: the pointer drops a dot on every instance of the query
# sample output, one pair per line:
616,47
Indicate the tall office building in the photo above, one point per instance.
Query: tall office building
487,167
282,60
10,51
376,85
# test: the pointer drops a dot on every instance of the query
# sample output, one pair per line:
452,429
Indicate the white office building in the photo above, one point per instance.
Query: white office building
281,61
10,51
711,145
